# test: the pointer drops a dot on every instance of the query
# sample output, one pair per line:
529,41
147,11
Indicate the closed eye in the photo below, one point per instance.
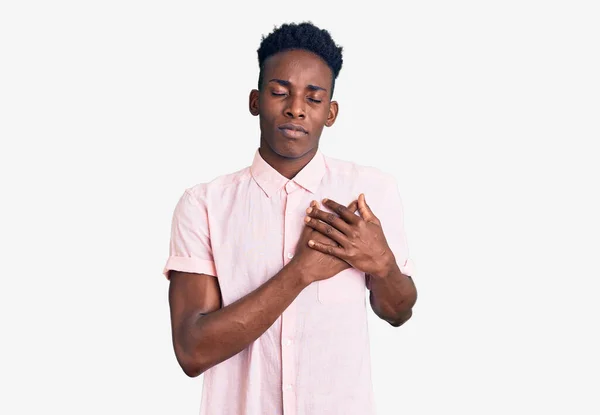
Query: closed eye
314,100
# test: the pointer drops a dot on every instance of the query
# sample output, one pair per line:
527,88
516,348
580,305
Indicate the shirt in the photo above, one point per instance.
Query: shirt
243,228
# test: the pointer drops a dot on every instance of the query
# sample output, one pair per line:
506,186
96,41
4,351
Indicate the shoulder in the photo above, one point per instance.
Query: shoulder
218,185
358,172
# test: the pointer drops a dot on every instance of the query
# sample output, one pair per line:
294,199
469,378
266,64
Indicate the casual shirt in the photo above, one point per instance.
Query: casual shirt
243,228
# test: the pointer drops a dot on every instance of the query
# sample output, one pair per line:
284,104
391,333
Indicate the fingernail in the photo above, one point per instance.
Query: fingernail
325,200
308,210
311,243
307,219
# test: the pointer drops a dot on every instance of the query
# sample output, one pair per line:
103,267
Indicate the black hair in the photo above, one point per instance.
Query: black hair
301,36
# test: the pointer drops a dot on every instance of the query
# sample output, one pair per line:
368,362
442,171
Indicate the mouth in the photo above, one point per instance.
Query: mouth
292,130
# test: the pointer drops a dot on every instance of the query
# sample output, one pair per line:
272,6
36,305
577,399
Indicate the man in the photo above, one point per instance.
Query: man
267,279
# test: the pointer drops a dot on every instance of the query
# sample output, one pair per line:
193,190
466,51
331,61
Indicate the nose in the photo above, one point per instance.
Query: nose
295,107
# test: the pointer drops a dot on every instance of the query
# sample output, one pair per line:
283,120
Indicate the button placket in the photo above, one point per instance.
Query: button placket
288,322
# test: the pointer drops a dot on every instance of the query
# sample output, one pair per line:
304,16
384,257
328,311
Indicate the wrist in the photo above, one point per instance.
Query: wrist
388,267
300,273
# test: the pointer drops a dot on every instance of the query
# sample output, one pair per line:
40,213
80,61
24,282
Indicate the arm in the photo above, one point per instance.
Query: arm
393,294
204,334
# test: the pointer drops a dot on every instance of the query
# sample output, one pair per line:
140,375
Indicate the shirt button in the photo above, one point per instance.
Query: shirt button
290,255
288,342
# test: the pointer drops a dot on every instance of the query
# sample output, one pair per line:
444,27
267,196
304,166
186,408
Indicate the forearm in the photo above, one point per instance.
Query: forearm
213,338
393,295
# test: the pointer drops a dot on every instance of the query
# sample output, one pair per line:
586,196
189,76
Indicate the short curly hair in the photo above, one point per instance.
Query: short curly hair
305,36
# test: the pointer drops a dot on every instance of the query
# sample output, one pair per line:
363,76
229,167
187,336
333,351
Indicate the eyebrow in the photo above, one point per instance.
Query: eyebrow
288,83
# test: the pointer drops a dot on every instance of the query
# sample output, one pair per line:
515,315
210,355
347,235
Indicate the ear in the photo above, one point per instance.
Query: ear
333,113
253,103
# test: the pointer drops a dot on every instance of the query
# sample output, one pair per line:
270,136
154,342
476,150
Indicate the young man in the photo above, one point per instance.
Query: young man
267,278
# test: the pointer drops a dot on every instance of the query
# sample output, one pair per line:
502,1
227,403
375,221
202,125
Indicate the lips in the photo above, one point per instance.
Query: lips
293,127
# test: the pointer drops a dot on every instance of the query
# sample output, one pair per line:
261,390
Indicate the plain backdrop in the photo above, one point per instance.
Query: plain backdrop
487,113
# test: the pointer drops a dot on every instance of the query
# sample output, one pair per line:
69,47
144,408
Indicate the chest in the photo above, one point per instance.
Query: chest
257,235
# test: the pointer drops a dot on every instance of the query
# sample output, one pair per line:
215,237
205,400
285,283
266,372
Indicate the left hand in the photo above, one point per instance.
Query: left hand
361,241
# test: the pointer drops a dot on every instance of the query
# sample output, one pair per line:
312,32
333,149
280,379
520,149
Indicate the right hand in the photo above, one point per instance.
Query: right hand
312,264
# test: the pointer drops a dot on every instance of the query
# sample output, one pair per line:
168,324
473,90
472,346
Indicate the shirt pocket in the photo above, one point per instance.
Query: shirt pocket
344,287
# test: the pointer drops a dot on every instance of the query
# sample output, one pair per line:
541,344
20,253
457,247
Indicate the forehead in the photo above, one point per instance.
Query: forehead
298,66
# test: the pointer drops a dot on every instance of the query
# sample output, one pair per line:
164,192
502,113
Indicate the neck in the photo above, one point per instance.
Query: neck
287,167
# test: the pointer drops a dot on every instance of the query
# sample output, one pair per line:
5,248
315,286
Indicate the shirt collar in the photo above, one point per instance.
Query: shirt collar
271,181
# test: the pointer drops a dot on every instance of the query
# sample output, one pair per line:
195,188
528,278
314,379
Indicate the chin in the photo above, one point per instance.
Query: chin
291,149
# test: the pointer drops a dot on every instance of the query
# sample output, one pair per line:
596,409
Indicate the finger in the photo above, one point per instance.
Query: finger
326,229
330,243
316,234
319,237
306,231
353,206
313,204
342,211
324,238
327,249
364,209
305,234
331,219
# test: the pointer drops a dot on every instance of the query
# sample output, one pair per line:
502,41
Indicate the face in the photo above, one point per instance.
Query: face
293,104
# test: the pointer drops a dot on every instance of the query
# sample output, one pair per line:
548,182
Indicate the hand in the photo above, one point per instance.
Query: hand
312,264
361,241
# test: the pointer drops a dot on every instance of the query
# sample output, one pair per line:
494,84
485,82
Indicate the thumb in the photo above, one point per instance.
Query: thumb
364,209
353,206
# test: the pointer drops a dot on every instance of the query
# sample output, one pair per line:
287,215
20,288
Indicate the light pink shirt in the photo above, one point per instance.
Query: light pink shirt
243,228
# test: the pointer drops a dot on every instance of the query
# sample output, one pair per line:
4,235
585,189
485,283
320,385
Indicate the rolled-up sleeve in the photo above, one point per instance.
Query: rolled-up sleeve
190,248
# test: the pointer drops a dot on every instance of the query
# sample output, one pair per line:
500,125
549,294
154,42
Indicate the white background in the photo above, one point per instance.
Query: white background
487,113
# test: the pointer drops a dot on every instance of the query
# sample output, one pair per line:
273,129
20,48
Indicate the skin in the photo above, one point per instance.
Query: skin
296,89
